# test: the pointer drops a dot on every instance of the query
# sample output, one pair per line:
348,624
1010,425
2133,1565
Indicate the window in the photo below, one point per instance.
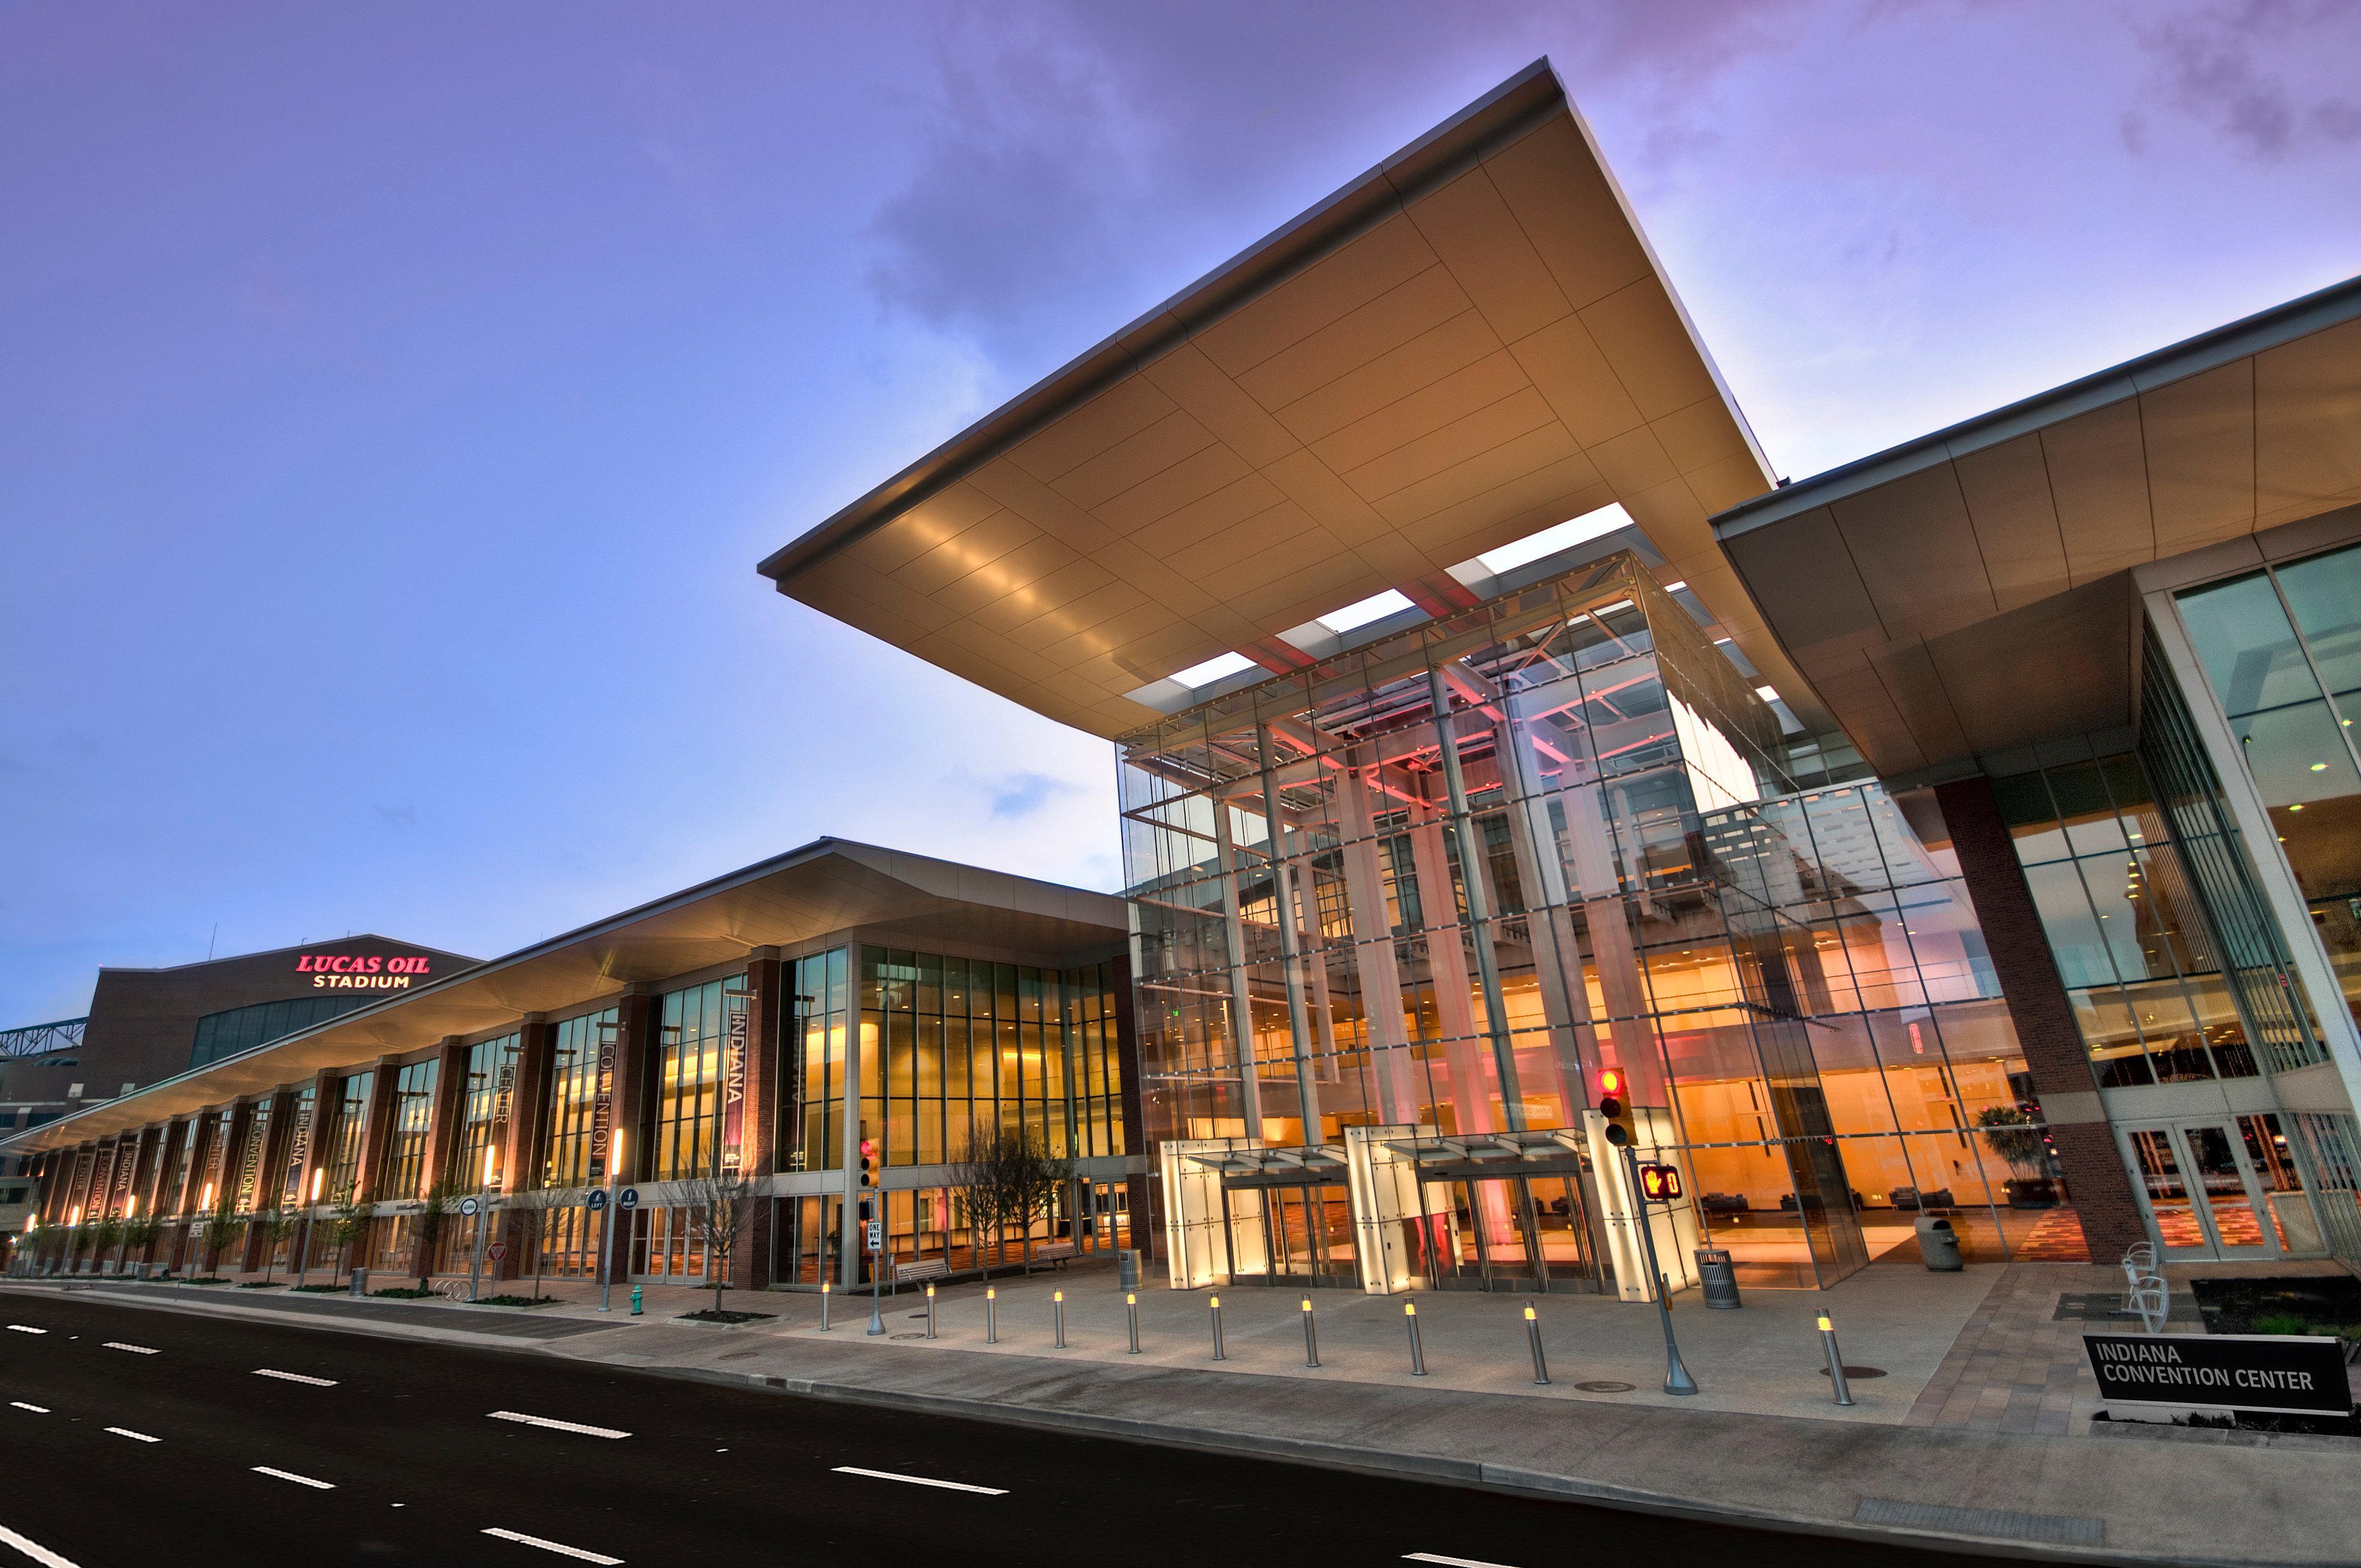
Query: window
413,1117
341,1139
811,1136
221,1035
484,1111
688,1077
573,1098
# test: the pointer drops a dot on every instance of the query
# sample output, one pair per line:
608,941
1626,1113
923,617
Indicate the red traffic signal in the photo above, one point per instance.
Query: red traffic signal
868,1162
1660,1183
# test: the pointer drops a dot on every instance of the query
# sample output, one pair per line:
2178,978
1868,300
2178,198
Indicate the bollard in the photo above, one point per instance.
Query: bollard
635,1301
1131,1305
1310,1336
1417,1350
823,1306
931,1312
1534,1333
992,1314
1058,1315
1838,1387
1217,1330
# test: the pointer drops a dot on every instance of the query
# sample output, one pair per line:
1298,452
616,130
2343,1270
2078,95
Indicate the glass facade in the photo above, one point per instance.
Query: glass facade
1444,880
811,1070
2123,923
484,1107
573,1098
952,1049
2281,651
221,1035
688,1081
340,1139
405,1174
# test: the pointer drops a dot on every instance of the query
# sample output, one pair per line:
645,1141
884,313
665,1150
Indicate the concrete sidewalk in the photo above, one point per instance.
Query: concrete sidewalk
1761,1445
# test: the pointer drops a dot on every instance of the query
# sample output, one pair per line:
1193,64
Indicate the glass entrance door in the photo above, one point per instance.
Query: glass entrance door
1505,1233
1307,1236
2202,1197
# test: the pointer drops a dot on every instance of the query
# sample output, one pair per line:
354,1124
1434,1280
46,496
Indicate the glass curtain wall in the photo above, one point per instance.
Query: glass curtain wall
484,1106
2115,904
811,1130
690,1029
341,1139
1444,880
569,1234
414,1115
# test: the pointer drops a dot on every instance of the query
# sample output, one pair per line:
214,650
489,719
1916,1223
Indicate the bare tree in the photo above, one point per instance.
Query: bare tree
426,1232
1005,1179
721,1206
533,1210
355,1214
278,1226
139,1233
221,1228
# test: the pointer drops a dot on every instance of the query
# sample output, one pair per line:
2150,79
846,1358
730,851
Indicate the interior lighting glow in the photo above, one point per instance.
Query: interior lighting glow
1219,667
2319,767
1376,606
1768,694
1561,536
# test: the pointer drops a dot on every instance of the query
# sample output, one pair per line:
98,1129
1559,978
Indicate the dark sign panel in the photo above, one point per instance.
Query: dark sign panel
2290,1373
739,1005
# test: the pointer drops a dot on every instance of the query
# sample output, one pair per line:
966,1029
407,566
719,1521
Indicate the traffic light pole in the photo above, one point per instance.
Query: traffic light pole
1676,1376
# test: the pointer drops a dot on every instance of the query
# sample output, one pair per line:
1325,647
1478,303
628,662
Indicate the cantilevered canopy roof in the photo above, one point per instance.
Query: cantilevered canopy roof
828,885
1970,591
1468,344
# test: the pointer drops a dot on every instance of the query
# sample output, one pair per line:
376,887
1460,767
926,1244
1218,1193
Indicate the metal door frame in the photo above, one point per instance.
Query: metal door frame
2176,1131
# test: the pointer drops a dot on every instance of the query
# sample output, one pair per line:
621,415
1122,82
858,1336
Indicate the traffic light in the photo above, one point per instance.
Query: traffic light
868,1164
1610,1106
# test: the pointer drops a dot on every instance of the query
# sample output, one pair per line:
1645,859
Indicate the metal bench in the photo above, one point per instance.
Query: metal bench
924,1269
1053,1256
2145,1294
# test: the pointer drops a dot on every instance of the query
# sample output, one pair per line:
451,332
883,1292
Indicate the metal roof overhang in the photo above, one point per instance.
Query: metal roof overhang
828,885
1468,344
1970,591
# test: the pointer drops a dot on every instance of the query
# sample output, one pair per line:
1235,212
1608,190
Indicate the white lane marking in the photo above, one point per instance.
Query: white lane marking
37,1410
295,1377
291,1476
34,1550
25,1329
922,1481
562,1550
1449,1562
134,1349
555,1426
134,1436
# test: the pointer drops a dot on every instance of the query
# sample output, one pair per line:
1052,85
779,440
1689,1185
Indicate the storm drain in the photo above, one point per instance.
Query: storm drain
2005,1524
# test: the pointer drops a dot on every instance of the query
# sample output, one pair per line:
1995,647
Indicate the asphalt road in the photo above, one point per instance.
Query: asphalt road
136,1436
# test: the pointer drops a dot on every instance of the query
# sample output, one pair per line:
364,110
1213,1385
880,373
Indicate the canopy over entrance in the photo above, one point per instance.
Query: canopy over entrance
1469,344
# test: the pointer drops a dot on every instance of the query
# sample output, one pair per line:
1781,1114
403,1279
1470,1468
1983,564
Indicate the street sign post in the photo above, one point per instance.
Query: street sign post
497,1251
596,1201
2297,1375
468,1207
628,1197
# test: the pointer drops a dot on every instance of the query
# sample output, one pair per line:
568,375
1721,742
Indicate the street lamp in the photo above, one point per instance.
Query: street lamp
607,1225
303,1247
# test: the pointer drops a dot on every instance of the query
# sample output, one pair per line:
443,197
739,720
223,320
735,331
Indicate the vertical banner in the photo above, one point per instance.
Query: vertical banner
602,1107
127,1161
737,1006
102,1185
503,1089
299,1149
77,1195
249,1166
224,1129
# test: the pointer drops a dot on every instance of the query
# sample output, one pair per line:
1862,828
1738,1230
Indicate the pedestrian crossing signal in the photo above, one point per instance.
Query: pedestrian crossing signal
1660,1183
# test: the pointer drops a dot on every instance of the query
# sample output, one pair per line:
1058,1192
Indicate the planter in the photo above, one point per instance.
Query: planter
2032,1192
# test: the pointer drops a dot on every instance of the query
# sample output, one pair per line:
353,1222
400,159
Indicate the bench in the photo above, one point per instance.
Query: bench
925,1268
1053,1256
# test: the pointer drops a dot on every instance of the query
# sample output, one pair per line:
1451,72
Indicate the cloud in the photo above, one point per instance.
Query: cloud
2206,60
1022,794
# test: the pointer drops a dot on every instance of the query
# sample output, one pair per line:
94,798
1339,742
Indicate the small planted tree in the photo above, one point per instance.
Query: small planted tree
426,1232
531,1212
722,1206
350,1226
139,1235
278,1227
1009,1178
222,1229
105,1233
2011,1132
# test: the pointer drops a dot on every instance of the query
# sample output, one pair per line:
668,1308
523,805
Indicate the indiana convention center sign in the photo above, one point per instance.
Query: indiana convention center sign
2291,1374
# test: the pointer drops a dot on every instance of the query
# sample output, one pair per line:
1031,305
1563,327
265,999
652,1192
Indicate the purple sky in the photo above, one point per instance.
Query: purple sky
394,400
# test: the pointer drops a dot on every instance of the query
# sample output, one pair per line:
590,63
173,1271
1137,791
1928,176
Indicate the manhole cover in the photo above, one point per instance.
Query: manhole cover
922,1337
1853,1371
1604,1387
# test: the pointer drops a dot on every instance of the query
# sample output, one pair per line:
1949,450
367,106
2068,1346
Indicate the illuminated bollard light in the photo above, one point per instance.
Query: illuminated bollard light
1310,1336
823,1306
1131,1305
931,1312
1417,1350
1058,1315
1841,1392
992,1314
1217,1330
1534,1333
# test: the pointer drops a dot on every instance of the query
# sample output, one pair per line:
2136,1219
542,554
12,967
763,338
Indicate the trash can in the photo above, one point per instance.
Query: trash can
1126,1268
1720,1278
360,1285
1938,1243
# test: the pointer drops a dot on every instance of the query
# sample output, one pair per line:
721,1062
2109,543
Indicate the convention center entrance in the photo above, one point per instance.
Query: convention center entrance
1500,1213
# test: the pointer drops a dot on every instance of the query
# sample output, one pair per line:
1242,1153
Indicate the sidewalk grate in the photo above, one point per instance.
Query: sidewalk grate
2003,1524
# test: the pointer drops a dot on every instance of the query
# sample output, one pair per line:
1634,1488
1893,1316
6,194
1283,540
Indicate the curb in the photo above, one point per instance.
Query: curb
1473,1474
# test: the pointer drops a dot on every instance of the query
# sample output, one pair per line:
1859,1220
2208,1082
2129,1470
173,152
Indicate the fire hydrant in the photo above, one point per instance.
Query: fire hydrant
635,1301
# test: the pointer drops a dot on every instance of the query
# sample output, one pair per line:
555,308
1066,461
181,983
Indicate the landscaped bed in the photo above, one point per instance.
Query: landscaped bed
708,1315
